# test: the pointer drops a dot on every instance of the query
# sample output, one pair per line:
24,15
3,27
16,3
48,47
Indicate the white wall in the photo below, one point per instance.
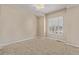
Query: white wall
40,28
72,26
16,24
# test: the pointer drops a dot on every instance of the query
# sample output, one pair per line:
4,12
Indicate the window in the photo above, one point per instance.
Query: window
55,26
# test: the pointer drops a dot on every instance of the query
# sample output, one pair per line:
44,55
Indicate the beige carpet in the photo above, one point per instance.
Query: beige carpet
39,47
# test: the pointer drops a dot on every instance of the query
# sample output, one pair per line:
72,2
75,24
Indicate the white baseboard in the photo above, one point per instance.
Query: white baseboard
8,43
68,43
2,45
65,42
72,44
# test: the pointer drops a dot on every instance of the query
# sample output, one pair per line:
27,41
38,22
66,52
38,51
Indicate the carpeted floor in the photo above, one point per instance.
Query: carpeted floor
39,47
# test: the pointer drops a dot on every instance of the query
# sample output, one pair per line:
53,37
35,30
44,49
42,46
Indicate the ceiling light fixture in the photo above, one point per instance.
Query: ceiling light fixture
39,6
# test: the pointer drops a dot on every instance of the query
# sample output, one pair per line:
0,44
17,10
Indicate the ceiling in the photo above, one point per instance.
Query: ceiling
47,9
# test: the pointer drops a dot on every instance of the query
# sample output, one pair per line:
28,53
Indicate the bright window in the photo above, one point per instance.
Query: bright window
55,25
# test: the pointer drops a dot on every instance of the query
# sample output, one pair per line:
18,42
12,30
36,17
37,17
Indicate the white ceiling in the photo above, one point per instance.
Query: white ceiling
48,8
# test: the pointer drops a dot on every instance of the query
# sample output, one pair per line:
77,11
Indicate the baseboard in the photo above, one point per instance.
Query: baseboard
65,42
71,44
8,43
68,43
